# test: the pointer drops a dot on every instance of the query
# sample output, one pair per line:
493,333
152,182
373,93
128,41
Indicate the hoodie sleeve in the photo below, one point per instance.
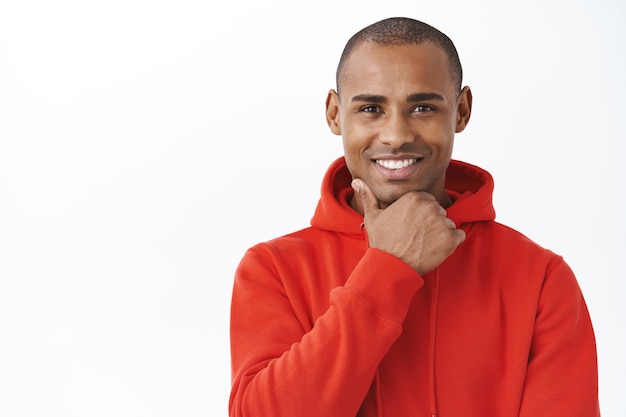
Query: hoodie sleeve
561,377
281,369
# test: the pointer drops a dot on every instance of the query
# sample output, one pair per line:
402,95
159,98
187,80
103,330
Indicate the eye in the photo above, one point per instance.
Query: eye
422,108
370,109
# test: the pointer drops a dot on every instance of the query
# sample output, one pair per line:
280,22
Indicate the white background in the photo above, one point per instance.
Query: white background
144,145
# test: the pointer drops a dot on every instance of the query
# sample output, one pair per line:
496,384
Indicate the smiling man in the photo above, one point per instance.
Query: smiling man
405,297
400,107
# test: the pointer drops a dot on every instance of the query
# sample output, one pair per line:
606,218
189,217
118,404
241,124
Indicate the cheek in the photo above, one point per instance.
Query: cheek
441,137
354,142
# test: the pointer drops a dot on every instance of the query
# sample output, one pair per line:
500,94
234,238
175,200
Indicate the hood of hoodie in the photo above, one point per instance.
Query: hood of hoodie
470,187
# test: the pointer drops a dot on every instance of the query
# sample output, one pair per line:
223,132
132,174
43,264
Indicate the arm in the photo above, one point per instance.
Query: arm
280,369
562,376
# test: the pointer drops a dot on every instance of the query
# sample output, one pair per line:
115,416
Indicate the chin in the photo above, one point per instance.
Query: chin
389,197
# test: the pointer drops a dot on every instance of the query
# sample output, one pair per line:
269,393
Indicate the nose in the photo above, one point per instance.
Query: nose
396,130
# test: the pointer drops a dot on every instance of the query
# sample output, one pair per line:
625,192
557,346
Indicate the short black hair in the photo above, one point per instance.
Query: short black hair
397,31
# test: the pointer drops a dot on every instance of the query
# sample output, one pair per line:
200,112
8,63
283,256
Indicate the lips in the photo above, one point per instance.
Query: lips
395,164
398,169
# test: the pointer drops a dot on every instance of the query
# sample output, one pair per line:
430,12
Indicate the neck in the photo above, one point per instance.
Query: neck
444,201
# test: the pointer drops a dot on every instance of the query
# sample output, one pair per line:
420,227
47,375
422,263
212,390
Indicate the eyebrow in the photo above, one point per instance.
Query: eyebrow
370,98
411,98
423,97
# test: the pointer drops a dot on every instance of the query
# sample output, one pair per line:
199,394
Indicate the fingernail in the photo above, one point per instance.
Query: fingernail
356,185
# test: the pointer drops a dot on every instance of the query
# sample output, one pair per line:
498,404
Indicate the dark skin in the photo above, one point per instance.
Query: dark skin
398,113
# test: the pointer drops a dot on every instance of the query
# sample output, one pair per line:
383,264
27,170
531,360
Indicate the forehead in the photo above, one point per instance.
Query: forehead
373,66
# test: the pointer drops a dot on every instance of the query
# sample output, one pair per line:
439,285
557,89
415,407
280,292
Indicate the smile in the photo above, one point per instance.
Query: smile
395,164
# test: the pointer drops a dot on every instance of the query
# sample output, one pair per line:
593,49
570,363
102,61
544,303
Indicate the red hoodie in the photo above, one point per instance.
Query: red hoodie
322,325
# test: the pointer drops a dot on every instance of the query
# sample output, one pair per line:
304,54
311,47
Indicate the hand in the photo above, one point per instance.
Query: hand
414,228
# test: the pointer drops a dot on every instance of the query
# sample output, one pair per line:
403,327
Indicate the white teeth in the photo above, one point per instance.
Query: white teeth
395,164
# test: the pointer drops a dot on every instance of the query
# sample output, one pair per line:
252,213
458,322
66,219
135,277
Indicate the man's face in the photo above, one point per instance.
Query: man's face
398,112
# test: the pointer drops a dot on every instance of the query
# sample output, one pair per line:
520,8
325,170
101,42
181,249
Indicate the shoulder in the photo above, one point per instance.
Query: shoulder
303,242
507,235
510,246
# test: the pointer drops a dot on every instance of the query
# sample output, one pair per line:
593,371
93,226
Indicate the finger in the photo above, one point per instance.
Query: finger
368,199
450,223
460,235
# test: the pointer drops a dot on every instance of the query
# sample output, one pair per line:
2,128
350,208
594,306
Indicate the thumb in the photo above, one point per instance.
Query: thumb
369,202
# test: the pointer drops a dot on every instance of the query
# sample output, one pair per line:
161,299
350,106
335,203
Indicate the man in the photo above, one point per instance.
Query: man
405,297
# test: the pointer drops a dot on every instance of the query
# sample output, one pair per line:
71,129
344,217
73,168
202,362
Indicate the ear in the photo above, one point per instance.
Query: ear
332,112
463,109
